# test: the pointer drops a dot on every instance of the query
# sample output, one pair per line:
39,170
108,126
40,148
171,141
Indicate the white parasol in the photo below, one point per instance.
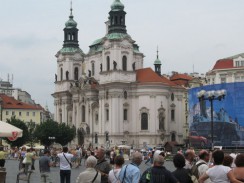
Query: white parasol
10,131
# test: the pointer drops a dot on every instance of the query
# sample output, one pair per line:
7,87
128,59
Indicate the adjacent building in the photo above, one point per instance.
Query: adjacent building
227,70
11,107
109,96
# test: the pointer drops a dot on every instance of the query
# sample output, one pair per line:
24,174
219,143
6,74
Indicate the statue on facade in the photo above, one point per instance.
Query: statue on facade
56,77
115,65
101,67
161,121
67,75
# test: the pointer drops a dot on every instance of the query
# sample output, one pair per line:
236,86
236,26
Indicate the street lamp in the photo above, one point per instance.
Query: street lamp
211,96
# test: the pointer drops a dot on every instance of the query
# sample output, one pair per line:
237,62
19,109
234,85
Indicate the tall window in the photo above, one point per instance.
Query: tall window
125,114
93,69
108,63
76,73
61,74
107,114
172,114
96,139
83,113
173,138
124,63
144,121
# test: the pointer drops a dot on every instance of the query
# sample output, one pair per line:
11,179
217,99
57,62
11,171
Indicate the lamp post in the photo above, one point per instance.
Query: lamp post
211,96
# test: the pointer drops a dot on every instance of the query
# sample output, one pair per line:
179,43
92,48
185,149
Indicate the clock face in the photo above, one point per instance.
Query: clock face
172,97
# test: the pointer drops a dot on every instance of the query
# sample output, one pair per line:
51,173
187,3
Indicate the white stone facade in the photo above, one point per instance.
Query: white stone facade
110,103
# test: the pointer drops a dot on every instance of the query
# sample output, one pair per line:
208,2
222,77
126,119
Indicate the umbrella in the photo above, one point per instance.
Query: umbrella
124,146
10,131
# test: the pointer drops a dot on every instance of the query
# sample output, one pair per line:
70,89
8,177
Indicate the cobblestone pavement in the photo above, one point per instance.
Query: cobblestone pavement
12,170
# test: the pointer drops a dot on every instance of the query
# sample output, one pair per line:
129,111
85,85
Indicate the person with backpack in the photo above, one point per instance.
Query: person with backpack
202,164
158,173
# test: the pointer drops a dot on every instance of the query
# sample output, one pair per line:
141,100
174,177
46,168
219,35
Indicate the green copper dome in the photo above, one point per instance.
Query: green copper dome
157,61
71,23
117,5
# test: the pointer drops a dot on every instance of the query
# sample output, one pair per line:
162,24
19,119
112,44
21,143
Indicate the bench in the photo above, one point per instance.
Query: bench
24,177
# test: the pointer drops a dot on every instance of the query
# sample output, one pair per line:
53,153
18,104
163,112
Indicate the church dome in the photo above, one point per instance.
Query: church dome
157,61
71,23
117,5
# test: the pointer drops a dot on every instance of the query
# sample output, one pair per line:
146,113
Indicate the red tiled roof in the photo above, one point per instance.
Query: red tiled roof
12,103
223,64
181,77
147,75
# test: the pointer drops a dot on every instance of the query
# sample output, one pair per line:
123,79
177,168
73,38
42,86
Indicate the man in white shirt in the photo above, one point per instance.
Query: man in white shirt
202,163
65,165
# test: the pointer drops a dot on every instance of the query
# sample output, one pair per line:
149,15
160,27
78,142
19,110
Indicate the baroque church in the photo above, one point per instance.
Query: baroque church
109,96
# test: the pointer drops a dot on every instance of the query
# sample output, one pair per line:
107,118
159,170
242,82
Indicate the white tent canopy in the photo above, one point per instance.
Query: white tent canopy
10,131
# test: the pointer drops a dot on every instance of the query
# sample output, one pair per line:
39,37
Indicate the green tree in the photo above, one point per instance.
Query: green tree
46,129
65,134
21,140
62,133
31,129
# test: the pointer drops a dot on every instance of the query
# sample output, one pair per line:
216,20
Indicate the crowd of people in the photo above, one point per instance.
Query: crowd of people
102,167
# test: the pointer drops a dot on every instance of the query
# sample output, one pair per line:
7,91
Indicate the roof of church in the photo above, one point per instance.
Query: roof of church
224,64
147,75
12,103
180,77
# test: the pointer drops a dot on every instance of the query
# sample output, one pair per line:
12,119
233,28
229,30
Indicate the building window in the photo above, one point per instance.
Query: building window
13,113
222,80
106,95
83,113
125,94
106,137
124,63
93,69
161,120
61,74
33,113
172,114
76,73
172,97
7,113
237,63
108,63
96,139
107,114
20,113
173,138
144,121
125,114
27,113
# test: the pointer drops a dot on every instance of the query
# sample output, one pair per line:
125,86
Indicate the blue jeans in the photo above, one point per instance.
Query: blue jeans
65,176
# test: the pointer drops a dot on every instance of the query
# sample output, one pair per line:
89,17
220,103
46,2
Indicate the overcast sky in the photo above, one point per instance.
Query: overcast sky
191,35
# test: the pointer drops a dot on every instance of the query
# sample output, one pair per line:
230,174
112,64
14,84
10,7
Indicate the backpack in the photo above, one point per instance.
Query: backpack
194,173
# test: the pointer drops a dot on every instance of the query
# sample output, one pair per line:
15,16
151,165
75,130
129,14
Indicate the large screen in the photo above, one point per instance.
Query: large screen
228,115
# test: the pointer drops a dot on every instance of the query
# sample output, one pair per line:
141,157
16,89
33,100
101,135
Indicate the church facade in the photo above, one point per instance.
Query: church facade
109,96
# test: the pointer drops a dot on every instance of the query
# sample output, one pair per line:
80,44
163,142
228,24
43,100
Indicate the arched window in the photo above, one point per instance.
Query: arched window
93,69
61,74
96,139
76,73
83,112
144,121
172,114
161,121
173,137
124,63
108,63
